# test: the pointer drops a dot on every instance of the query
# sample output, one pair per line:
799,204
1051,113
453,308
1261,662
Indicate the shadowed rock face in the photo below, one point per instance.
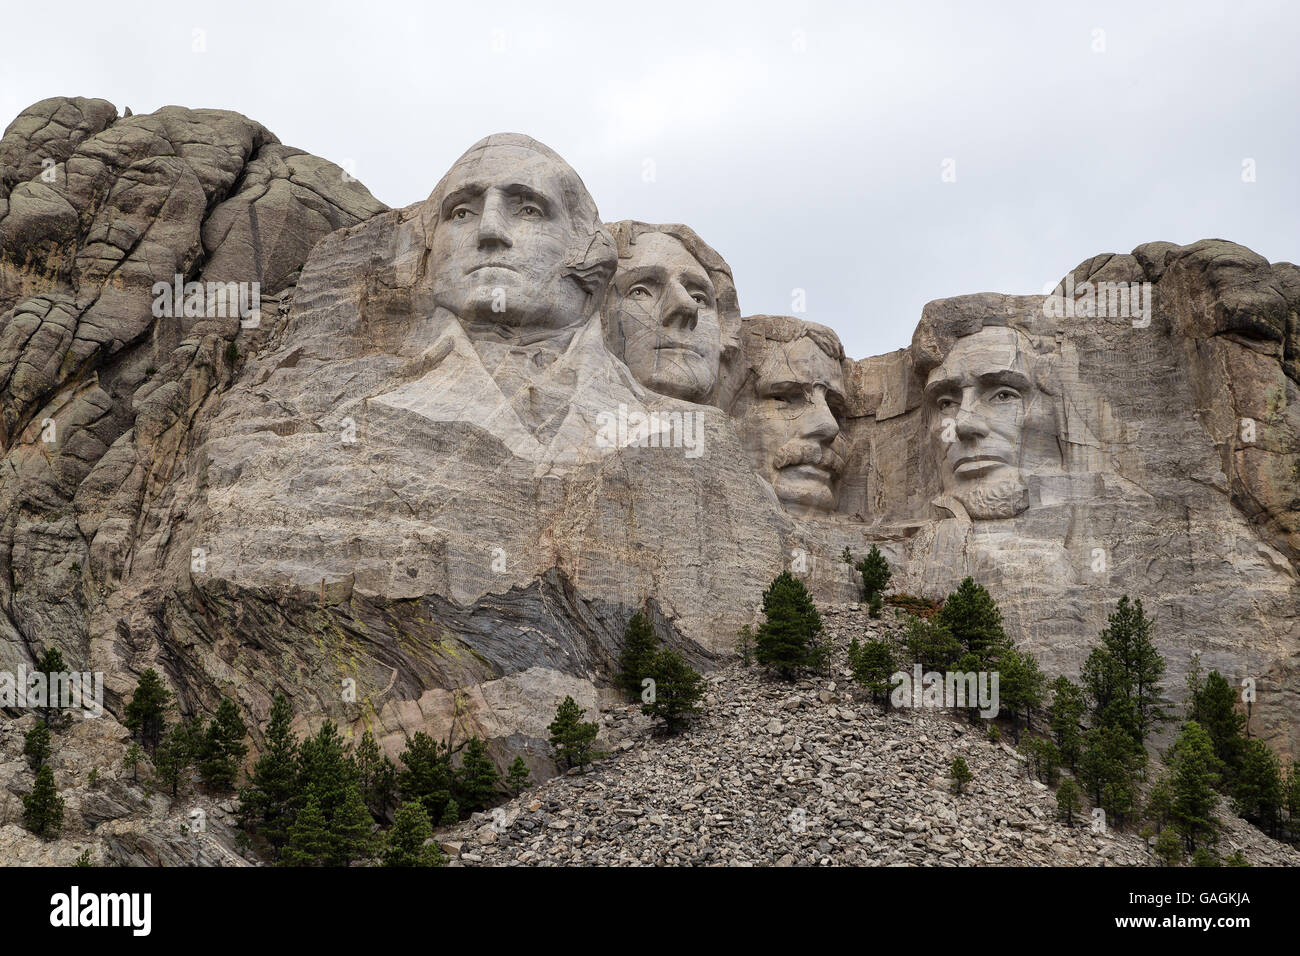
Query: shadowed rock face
468,439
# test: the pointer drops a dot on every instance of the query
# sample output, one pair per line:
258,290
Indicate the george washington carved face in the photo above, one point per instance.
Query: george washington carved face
516,238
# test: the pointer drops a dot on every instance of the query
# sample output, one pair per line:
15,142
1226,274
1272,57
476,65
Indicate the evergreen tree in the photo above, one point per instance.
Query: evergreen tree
679,690
223,746
43,807
131,760
309,842
1069,801
873,664
351,829
1194,774
875,606
1044,760
477,781
377,776
1169,848
1293,795
1160,801
875,574
426,775
972,617
1109,765
36,745
1204,856
326,768
177,752
146,712
1257,790
48,663
639,648
961,774
268,804
410,841
1064,717
931,644
517,777
1215,708
1020,683
1123,675
571,737
787,640
450,814
1237,859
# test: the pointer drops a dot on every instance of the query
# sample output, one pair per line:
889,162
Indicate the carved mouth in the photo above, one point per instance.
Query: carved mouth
810,471
972,465
679,347
490,265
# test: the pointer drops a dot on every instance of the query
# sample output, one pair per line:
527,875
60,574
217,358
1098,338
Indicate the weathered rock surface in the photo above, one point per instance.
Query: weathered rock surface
459,512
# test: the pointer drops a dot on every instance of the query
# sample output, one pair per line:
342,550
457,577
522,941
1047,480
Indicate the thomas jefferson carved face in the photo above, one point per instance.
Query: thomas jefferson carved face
663,308
792,420
512,225
979,400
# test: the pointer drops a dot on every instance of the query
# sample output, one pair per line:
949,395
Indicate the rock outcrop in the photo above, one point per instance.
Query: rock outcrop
416,467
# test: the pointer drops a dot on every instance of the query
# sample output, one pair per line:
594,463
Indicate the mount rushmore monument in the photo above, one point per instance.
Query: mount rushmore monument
455,446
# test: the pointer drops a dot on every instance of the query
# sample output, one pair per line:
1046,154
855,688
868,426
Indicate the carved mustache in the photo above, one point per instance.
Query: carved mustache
808,453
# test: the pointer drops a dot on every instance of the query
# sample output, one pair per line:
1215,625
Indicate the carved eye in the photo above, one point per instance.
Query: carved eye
945,403
700,298
460,213
638,292
530,212
1003,395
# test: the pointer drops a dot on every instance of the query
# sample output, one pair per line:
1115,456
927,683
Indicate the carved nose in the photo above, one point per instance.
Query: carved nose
492,229
819,422
970,425
681,310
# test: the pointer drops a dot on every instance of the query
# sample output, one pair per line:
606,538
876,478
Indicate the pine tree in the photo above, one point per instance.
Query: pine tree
177,752
1194,774
1123,675
147,710
351,829
426,775
875,574
1021,683
50,662
309,842
1064,717
1257,790
517,777
875,606
931,644
43,807
1169,848
571,737
1215,709
787,639
410,841
678,691
36,745
477,780
1109,764
1069,800
326,768
961,774
639,648
972,617
131,760
1293,795
268,803
450,814
872,665
223,746
378,776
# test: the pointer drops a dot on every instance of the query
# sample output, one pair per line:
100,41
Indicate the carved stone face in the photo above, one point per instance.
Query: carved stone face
664,306
793,425
502,238
978,402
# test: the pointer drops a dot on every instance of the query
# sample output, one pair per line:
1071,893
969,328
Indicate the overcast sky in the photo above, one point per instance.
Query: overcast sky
806,142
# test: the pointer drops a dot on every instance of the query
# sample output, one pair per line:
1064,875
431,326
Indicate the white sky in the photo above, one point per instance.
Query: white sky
818,170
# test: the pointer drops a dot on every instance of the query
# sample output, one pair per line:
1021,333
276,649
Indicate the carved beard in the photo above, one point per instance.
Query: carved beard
1001,498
